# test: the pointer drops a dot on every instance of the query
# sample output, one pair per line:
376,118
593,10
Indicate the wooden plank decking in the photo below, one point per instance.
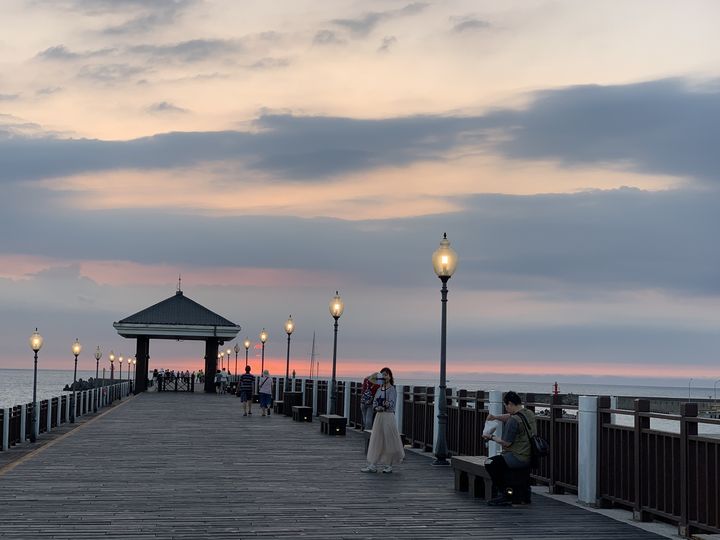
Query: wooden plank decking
166,465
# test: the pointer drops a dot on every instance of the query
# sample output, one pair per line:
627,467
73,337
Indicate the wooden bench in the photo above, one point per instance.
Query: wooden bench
278,407
470,475
332,424
301,413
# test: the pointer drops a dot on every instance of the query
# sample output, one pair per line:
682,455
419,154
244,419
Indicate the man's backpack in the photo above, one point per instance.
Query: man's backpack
539,447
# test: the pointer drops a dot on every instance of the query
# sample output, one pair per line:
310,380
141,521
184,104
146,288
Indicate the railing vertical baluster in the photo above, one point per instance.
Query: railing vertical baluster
687,429
6,429
555,450
639,476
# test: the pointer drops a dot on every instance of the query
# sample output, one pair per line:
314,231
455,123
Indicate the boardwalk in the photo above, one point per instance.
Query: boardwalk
188,466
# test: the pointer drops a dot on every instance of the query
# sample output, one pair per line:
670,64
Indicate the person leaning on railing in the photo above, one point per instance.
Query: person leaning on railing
516,451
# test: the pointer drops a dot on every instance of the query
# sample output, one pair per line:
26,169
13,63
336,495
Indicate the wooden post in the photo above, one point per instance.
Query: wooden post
641,423
329,397
211,357
59,410
398,408
555,414
6,429
603,418
36,423
687,430
142,355
49,415
346,401
23,420
315,397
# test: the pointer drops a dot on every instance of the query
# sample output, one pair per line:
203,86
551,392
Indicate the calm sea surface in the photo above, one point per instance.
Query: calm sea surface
16,388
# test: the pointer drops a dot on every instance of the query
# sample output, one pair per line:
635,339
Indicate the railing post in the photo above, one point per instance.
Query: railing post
555,414
277,388
329,397
436,413
67,408
6,429
587,450
346,401
399,407
36,423
495,407
687,430
59,411
613,405
603,418
49,415
23,420
315,397
641,423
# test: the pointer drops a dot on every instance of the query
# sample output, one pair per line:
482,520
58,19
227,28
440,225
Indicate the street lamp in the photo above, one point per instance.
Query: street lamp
221,357
120,359
76,348
336,309
263,339
112,366
98,356
236,348
289,327
228,360
247,346
36,343
130,365
444,263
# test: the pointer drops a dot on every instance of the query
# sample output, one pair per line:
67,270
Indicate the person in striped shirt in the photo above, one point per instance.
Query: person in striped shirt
245,390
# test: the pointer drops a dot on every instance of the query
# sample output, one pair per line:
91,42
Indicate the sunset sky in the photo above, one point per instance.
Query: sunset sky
272,152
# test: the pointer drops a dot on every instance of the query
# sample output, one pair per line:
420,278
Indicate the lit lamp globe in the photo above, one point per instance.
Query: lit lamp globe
263,336
444,259
36,341
336,306
76,348
247,344
289,326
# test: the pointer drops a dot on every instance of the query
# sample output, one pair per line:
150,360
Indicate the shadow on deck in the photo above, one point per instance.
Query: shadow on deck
166,465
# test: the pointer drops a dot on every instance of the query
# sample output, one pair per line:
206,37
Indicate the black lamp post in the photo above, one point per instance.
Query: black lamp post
336,309
289,327
263,339
247,346
112,365
76,348
228,351
236,348
98,356
444,263
120,360
36,343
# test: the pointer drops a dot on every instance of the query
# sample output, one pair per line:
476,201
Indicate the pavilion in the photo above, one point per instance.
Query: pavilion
178,318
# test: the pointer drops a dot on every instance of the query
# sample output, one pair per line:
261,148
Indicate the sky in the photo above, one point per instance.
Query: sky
272,153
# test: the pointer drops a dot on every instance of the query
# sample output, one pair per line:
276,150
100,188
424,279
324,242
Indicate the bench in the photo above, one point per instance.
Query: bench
301,413
290,400
278,407
471,476
332,424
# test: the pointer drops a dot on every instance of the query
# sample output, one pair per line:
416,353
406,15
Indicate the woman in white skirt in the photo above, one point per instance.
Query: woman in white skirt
385,446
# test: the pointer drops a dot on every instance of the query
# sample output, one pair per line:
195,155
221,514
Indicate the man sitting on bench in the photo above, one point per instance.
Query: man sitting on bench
510,471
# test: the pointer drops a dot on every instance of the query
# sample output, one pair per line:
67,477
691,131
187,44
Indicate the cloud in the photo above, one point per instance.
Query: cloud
166,107
62,53
109,73
468,23
195,50
49,90
387,42
9,97
657,127
270,63
327,37
363,25
660,127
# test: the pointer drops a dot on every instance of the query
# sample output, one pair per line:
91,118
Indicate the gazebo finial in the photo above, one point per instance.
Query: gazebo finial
179,287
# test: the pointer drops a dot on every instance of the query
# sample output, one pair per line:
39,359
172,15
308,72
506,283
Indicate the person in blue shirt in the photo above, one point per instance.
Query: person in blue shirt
245,390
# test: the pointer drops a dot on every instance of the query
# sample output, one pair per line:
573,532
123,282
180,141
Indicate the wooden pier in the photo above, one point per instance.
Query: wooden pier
188,465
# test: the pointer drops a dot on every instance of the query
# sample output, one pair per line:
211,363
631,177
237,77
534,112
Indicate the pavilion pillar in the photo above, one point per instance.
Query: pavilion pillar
211,357
142,354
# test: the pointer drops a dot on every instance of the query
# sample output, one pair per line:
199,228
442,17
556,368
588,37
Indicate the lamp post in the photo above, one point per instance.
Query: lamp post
120,359
444,263
289,327
263,339
98,356
228,351
221,357
112,365
36,343
236,348
247,346
130,361
76,348
336,309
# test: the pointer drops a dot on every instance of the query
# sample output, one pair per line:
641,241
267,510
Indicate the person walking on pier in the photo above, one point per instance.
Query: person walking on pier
516,452
245,390
367,395
218,381
385,446
265,392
